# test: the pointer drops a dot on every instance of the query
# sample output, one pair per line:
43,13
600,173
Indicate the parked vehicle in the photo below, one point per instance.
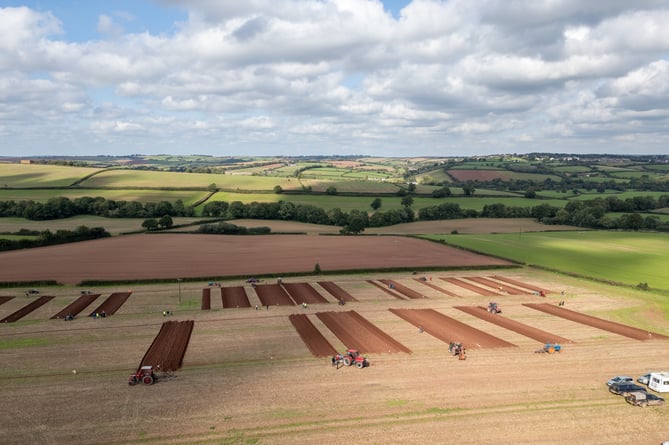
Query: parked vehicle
644,379
642,398
659,381
623,389
620,379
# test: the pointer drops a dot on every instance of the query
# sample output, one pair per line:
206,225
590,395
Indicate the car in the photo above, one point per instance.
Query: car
642,398
623,389
644,379
620,379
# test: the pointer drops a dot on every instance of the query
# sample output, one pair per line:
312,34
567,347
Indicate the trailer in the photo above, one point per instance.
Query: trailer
659,381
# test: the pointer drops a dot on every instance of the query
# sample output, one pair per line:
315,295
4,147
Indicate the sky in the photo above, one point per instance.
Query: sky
401,78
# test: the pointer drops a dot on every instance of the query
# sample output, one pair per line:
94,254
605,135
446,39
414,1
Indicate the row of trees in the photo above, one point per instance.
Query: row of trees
48,238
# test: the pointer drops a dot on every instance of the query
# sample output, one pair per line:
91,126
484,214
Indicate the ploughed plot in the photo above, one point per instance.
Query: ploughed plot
312,337
112,303
206,299
437,288
496,285
531,287
167,351
448,329
357,332
25,310
336,291
387,289
599,323
77,306
403,289
273,294
234,296
472,287
4,300
303,293
513,325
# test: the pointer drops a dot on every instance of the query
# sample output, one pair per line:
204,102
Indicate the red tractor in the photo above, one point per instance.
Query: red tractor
144,375
349,358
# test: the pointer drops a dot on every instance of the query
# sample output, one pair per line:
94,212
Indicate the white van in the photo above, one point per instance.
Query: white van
659,381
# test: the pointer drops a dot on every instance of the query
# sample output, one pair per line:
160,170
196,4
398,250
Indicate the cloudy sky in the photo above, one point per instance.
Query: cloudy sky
302,77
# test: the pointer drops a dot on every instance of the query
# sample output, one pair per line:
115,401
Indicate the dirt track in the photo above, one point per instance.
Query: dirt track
437,288
167,351
25,310
336,291
611,326
531,287
385,288
234,296
273,295
4,300
498,286
403,289
304,293
471,287
112,303
206,299
312,337
77,306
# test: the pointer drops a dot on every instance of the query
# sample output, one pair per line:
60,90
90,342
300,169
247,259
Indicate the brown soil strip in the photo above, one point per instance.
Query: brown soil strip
312,337
274,295
357,332
599,323
304,293
512,325
77,306
520,284
167,351
206,299
477,289
25,310
386,289
112,303
336,291
4,300
435,287
448,329
403,289
495,285
234,296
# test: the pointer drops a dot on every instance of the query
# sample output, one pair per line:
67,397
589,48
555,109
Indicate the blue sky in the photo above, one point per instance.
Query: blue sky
299,77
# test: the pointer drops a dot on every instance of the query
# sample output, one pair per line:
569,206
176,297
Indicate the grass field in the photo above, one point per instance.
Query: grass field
624,257
43,195
36,175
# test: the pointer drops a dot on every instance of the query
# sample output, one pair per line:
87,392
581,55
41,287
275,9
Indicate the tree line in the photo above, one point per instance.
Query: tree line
48,238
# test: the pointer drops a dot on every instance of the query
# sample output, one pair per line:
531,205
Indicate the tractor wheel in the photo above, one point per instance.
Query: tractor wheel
347,361
360,365
148,380
133,381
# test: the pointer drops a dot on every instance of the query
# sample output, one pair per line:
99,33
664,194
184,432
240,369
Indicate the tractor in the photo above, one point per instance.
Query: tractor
493,308
549,348
144,375
457,349
349,358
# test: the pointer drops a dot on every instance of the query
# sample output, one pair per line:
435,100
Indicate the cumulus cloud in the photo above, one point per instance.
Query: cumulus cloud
449,76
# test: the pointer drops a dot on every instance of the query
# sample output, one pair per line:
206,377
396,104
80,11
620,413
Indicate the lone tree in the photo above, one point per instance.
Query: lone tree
165,222
150,224
407,201
376,204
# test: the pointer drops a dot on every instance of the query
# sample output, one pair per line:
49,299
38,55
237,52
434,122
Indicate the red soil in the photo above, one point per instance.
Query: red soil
512,325
112,303
477,289
435,287
496,285
206,299
273,294
234,296
357,332
520,284
312,337
25,310
336,291
77,306
4,300
611,326
403,289
167,351
303,293
448,329
386,289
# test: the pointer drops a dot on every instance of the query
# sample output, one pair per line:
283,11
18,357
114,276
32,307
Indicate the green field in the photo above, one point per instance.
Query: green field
622,257
43,195
37,175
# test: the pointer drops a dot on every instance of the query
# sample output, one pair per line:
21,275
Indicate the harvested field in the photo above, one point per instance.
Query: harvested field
77,306
112,303
206,299
336,291
387,289
304,293
4,300
187,255
273,295
167,351
496,285
403,289
312,337
234,296
448,329
25,310
465,285
357,332
512,325
611,326
531,287
437,288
